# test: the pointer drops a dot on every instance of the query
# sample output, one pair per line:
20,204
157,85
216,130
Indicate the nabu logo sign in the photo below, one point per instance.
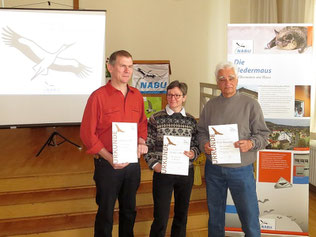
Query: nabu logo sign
267,223
153,85
242,47
151,78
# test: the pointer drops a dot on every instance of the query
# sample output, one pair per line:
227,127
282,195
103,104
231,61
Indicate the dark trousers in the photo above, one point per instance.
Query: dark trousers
112,184
163,186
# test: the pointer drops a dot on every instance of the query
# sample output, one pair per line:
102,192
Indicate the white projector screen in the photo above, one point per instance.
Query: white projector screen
50,62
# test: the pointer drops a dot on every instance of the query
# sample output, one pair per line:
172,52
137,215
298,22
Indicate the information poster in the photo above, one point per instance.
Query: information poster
274,63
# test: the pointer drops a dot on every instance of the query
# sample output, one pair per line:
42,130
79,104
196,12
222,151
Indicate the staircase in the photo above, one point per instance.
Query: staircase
64,205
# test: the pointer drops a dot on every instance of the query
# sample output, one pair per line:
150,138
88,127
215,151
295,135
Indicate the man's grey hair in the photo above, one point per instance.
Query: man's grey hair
223,65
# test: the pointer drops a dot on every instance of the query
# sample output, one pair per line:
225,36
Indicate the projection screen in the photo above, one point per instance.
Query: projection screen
51,61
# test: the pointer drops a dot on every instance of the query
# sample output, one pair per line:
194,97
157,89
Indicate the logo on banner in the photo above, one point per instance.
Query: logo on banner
151,78
242,46
267,223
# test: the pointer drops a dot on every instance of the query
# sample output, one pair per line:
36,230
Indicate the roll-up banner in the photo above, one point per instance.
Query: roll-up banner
274,63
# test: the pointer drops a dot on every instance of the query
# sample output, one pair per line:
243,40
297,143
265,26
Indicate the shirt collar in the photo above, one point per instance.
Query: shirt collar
111,90
171,112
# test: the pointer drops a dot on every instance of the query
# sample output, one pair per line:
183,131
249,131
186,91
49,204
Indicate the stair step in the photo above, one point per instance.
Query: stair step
141,229
39,182
71,200
60,194
60,180
45,181
46,195
72,221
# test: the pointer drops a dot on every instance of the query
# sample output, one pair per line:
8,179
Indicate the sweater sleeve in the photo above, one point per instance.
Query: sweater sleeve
194,142
150,157
202,128
259,131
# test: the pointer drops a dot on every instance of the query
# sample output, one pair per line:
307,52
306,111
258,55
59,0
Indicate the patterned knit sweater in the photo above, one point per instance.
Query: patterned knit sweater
161,124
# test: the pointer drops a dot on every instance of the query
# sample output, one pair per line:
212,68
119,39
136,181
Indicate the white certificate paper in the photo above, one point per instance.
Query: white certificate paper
222,138
174,161
124,142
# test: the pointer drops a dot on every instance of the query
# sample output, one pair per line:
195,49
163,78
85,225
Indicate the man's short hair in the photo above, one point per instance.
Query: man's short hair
223,65
181,85
119,53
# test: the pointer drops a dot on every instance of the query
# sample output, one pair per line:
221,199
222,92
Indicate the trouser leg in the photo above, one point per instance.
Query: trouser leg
108,183
242,186
127,199
182,192
216,190
162,191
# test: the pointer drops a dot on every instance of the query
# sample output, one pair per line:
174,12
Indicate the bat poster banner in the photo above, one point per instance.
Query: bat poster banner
274,66
151,78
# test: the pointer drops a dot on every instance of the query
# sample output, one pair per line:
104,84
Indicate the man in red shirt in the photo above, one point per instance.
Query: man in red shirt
114,102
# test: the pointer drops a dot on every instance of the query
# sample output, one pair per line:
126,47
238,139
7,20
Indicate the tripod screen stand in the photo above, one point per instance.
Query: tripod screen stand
51,141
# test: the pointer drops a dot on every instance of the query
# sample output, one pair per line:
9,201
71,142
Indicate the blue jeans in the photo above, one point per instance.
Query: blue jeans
242,186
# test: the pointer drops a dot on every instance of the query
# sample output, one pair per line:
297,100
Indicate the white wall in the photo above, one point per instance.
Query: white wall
191,34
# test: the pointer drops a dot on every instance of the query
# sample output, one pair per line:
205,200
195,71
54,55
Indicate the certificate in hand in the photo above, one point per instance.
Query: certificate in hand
174,161
124,142
222,139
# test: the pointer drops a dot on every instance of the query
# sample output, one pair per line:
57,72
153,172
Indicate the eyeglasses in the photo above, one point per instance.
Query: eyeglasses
176,96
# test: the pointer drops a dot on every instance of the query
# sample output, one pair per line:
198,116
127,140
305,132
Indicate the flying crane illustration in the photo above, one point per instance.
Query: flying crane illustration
49,59
44,59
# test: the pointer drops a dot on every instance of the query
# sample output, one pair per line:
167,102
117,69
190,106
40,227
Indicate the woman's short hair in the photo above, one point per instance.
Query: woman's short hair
181,85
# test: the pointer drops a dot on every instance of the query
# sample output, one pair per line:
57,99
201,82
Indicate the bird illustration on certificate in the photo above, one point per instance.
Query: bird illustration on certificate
222,139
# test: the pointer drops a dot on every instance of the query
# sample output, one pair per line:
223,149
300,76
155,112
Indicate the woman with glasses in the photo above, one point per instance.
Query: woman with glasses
172,121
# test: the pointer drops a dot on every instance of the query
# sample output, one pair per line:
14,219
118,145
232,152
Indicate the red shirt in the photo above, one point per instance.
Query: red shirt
107,105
